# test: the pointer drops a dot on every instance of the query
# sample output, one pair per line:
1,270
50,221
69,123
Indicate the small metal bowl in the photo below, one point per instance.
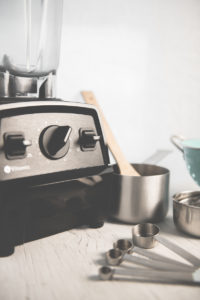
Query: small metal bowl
186,212
144,235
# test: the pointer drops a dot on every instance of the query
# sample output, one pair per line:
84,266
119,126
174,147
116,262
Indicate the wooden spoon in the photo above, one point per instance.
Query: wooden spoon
125,167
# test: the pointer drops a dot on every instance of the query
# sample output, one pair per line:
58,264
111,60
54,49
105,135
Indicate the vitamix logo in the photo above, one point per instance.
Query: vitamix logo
9,169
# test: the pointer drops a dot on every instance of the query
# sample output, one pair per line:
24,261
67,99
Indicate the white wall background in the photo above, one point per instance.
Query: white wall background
142,60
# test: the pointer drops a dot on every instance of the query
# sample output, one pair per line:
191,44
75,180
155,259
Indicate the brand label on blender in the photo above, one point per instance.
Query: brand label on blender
9,169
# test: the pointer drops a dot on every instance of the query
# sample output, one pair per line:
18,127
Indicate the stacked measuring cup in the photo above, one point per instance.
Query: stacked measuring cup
151,266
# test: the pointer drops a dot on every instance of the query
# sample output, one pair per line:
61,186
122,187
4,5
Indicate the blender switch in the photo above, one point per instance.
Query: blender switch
15,145
88,139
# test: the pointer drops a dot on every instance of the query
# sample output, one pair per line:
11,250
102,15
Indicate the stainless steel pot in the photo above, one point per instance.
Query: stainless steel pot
140,199
186,207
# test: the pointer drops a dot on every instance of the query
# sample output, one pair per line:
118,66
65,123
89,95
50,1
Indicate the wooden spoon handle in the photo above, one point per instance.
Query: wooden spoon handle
124,166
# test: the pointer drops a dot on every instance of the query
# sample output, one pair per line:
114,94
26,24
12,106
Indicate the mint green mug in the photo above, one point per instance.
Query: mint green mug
191,154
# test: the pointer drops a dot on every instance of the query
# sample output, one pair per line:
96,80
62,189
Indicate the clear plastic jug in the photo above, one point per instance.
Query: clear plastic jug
30,32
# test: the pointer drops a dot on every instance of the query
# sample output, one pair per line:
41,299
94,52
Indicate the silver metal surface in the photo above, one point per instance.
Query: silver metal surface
186,255
47,89
144,234
139,199
114,257
106,273
186,212
24,85
154,264
16,85
13,86
124,245
159,257
144,275
4,84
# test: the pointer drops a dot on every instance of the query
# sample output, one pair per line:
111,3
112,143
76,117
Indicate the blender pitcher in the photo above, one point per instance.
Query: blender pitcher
30,46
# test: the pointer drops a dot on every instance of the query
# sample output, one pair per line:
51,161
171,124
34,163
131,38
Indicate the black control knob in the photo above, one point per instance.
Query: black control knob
54,141
88,139
15,145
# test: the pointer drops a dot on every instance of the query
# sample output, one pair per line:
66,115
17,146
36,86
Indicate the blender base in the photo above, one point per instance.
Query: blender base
40,211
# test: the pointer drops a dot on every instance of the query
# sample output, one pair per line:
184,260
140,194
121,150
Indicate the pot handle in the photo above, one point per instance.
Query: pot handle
176,141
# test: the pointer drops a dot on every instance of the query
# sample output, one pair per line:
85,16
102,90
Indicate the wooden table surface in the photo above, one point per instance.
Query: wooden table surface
65,266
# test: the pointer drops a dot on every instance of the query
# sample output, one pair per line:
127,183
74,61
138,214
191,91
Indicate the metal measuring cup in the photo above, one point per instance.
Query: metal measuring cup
139,199
146,236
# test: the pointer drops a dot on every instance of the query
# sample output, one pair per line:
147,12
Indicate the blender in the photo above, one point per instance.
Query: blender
53,155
